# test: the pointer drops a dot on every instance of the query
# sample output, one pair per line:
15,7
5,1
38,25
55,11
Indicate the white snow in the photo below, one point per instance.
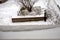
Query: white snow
40,3
54,11
7,11
10,9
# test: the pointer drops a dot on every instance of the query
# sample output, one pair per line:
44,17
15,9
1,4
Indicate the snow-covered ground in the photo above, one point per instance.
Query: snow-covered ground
10,9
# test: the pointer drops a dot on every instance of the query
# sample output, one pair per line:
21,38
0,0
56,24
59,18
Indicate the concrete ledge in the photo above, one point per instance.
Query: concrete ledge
26,27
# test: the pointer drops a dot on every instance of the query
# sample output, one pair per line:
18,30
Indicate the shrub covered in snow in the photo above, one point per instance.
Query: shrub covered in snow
35,11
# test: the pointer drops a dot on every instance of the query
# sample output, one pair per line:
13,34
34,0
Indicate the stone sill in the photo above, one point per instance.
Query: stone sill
8,28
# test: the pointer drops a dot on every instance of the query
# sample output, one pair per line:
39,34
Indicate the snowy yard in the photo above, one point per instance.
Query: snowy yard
10,9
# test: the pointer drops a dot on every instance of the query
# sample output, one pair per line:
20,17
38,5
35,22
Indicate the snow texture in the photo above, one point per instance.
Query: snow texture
53,11
11,8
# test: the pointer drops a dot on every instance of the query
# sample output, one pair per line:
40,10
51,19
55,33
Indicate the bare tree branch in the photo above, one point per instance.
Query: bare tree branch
28,4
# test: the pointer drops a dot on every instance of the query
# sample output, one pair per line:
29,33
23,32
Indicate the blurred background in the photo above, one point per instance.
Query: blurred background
53,33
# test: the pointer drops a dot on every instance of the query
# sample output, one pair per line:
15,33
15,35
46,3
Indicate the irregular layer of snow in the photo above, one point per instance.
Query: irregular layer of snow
27,23
11,8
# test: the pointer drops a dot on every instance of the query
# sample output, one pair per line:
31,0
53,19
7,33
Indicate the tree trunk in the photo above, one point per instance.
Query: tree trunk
29,9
